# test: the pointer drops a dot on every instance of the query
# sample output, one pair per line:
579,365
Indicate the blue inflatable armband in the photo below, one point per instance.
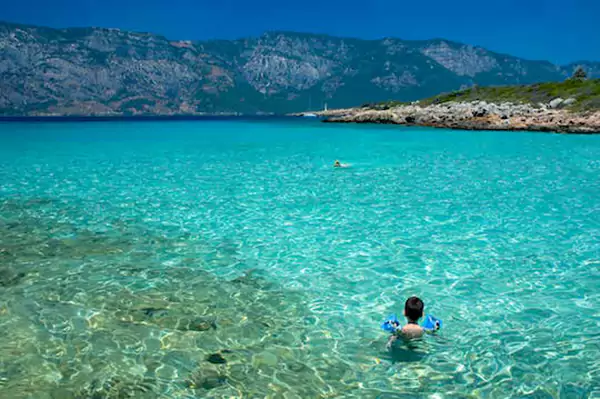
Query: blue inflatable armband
431,323
391,324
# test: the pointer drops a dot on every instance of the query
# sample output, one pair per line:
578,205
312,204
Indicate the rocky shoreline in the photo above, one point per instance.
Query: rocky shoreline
477,115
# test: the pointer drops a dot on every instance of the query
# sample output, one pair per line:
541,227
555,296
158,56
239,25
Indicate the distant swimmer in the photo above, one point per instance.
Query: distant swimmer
337,164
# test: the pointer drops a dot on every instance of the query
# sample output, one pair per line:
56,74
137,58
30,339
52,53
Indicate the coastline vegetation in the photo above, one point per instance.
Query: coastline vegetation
584,92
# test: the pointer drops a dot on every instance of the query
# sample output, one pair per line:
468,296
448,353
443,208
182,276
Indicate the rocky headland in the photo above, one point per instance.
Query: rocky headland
486,109
475,116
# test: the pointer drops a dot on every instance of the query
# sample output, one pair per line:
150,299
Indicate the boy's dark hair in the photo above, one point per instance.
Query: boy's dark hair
413,308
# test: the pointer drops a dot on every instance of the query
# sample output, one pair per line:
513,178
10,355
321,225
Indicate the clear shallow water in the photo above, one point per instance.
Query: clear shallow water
131,252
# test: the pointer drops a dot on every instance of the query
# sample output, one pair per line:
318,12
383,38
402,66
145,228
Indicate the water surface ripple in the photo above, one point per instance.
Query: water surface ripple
229,259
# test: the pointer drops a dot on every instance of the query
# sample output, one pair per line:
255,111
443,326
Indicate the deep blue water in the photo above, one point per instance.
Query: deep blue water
130,252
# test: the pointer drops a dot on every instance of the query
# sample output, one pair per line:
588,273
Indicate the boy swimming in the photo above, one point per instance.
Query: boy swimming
413,311
338,164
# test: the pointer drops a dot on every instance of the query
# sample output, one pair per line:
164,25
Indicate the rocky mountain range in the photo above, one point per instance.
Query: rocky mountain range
98,71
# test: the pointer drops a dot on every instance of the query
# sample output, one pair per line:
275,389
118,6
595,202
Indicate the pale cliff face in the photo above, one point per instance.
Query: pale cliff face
109,71
462,60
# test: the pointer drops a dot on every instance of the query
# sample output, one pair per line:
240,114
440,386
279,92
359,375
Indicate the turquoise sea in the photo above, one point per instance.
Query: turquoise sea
228,259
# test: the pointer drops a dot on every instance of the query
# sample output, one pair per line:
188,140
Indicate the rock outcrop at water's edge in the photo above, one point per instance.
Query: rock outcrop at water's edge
477,115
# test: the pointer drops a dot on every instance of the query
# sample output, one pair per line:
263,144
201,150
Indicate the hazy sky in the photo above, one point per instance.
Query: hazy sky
557,30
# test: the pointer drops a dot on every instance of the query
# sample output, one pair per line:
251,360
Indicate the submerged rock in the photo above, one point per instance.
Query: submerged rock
213,382
117,388
252,279
203,325
9,276
196,324
265,358
216,358
151,312
206,379
161,318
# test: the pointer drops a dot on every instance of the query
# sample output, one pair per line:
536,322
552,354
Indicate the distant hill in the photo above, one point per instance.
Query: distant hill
96,71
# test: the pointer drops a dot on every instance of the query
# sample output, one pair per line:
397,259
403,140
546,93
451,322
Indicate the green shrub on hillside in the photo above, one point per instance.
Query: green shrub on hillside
579,73
585,92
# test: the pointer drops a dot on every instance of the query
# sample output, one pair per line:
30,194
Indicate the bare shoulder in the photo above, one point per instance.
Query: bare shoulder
412,331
